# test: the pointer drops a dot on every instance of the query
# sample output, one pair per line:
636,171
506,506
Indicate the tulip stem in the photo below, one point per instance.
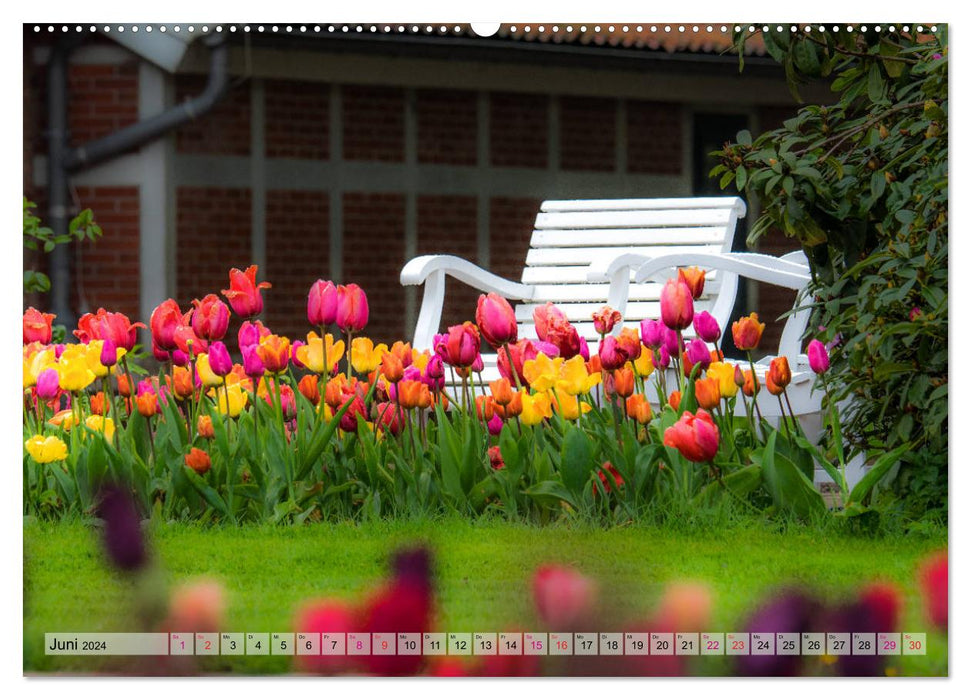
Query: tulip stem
512,366
755,392
109,406
784,419
350,343
131,383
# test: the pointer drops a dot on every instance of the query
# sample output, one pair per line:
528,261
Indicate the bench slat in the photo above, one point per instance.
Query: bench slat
568,274
648,204
640,219
604,237
585,256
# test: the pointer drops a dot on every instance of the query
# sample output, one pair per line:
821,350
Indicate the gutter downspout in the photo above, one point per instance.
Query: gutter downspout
63,159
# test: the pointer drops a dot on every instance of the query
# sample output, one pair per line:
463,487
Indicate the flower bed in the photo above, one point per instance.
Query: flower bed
336,426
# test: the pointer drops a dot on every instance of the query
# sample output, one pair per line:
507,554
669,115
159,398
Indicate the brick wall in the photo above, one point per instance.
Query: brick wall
447,224
587,133
297,119
225,130
654,137
518,130
374,123
103,99
510,227
374,252
107,270
447,127
297,255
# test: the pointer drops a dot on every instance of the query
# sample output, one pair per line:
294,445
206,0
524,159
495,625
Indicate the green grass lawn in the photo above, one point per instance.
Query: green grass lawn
483,573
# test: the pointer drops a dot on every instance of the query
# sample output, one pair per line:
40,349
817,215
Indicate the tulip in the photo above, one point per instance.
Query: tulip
124,387
38,327
122,532
677,306
147,404
244,293
543,316
198,605
584,350
219,359
818,357
791,611
322,303
389,418
644,365
391,367
520,352
724,374
352,308
204,427
663,358
612,355
365,355
45,450
568,407
674,400
536,408
105,325
574,379
511,409
694,278
495,458
98,405
409,393
48,384
165,319
312,354
186,339
605,319
198,461
609,477
695,353
652,332
109,353
183,384
630,341
274,352
485,407
564,337
694,436
333,616
624,381
207,375
288,402
639,409
74,371
356,408
92,355
750,384
747,332
778,376
251,333
253,363
496,320
542,372
495,425
933,588
706,326
460,346
502,392
708,392
309,387
210,318
564,598
236,397
101,424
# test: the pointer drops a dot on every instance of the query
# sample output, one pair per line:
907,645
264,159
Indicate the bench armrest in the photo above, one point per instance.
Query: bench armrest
431,270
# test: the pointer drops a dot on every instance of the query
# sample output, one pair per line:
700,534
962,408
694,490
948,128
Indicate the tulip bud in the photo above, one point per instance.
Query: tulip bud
624,381
747,332
48,384
38,327
818,357
198,461
605,319
612,355
210,318
204,427
496,320
778,376
352,308
677,305
694,278
706,326
652,332
495,458
109,353
219,360
322,303
147,404
309,387
165,319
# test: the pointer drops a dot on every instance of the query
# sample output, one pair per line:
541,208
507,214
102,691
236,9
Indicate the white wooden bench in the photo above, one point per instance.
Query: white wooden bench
569,237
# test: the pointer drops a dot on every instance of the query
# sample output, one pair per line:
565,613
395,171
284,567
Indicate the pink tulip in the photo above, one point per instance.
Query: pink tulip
698,352
663,358
563,597
244,293
564,336
496,320
612,354
670,341
706,326
543,316
251,333
219,360
495,424
252,364
352,308
677,305
210,318
652,332
322,303
47,384
109,353
818,357
584,350
460,346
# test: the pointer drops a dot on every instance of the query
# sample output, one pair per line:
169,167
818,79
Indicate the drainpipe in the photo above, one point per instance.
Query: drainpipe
63,159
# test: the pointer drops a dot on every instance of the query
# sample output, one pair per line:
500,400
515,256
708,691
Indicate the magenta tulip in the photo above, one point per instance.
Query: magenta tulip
322,303
698,353
109,353
47,384
496,320
818,356
252,364
652,332
219,360
612,354
706,326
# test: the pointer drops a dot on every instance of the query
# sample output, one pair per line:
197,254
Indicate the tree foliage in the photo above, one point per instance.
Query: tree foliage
861,184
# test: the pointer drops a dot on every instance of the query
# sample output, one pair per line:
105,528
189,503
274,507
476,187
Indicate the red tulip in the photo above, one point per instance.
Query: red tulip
543,316
244,293
694,436
106,325
210,318
677,305
165,319
496,320
460,346
565,337
564,598
933,588
37,326
186,339
612,355
352,308
605,319
322,303
519,351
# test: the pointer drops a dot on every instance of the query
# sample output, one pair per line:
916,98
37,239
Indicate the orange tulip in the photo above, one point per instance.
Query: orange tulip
674,400
147,403
751,383
334,392
502,392
124,388
708,392
198,461
485,407
639,408
204,428
309,387
391,367
409,393
694,436
778,376
99,406
183,385
511,409
747,332
274,353
694,277
624,381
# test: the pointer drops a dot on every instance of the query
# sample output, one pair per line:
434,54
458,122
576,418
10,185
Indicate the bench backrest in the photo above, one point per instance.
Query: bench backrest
569,235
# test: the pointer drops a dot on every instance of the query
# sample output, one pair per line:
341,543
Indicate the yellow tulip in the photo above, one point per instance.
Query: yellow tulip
644,364
74,370
574,378
365,357
101,424
237,400
206,375
44,450
567,406
536,407
542,372
725,374
93,358
35,363
311,355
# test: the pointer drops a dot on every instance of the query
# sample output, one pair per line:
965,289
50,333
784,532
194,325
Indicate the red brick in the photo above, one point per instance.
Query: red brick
374,123
224,130
297,254
510,228
654,138
374,251
447,127
588,132
518,130
103,99
297,119
447,224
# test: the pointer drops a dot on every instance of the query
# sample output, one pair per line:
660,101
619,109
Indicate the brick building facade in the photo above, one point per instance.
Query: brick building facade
341,160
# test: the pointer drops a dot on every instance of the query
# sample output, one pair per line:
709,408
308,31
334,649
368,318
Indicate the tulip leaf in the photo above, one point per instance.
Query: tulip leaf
205,490
789,487
550,494
576,459
877,471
